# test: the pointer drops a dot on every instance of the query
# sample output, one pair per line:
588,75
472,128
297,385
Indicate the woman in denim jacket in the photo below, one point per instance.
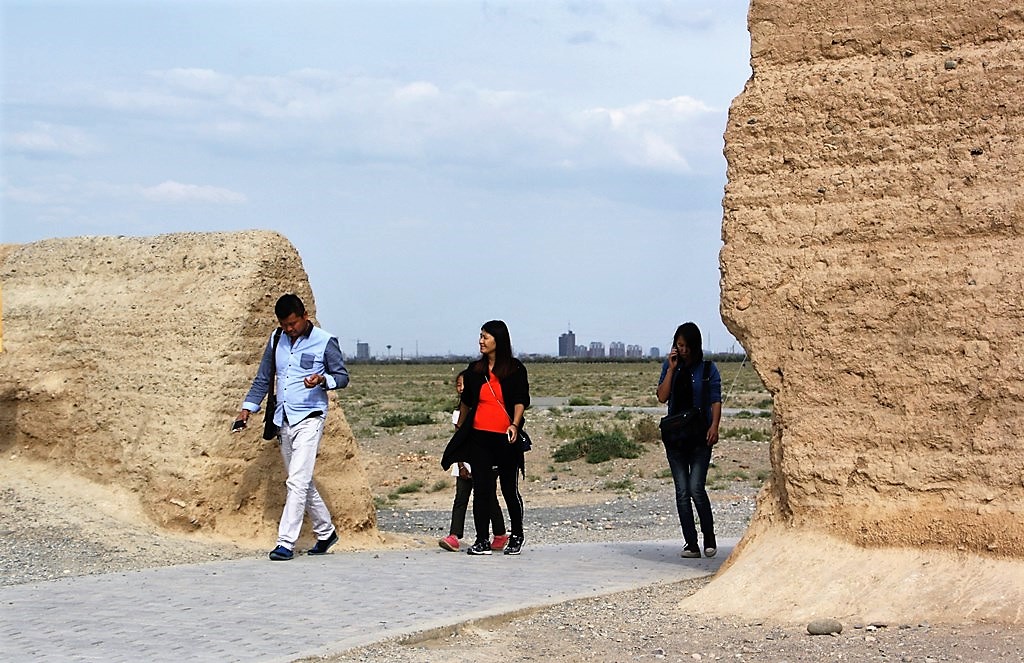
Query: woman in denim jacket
687,381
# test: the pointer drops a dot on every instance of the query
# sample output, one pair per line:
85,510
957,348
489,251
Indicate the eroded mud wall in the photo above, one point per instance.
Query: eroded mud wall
874,264
125,360
873,267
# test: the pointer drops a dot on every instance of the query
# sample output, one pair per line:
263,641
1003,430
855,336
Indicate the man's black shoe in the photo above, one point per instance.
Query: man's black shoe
323,545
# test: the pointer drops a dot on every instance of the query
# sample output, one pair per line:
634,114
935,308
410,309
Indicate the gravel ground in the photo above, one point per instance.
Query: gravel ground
650,516
646,625
47,537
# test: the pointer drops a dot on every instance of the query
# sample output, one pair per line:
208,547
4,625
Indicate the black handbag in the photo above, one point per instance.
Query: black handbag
270,429
523,442
682,427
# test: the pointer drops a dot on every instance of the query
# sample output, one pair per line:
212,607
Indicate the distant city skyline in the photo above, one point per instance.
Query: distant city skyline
363,350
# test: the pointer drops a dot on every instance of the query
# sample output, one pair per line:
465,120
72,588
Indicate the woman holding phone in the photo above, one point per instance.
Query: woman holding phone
687,381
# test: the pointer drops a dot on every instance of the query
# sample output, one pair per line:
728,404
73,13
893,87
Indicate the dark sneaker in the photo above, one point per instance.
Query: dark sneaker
710,546
690,551
480,548
323,545
281,554
514,545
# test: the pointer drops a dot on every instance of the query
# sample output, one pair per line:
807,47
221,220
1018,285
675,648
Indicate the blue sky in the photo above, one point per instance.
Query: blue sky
437,164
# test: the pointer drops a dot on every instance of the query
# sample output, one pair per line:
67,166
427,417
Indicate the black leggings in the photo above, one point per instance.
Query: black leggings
490,451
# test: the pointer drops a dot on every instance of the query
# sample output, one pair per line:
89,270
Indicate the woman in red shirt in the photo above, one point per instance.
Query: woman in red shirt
491,409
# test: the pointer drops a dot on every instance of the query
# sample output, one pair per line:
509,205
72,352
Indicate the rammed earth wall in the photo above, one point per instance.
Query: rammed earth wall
873,267
126,358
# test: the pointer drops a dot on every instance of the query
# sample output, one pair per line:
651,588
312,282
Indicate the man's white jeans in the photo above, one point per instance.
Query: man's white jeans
299,444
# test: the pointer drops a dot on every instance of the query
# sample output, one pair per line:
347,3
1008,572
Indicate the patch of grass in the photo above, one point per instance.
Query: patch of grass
623,415
765,404
622,485
645,431
555,410
572,431
380,502
745,433
598,447
664,474
397,419
439,485
579,400
405,489
718,480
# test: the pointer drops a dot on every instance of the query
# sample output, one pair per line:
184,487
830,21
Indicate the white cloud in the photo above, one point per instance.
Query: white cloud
416,91
25,195
337,116
677,15
45,139
656,134
176,192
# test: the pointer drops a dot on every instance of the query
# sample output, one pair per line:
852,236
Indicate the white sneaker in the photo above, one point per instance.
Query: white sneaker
690,552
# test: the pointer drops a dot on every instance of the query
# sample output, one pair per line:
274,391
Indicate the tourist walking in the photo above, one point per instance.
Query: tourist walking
306,362
491,416
688,383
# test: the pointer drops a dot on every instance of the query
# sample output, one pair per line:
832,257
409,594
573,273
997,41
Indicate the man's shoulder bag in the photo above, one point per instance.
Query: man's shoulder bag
270,429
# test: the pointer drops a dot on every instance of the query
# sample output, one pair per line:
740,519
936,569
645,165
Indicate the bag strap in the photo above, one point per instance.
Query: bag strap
500,401
273,361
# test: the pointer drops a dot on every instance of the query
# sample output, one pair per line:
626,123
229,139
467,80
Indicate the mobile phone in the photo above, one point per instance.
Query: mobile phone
238,425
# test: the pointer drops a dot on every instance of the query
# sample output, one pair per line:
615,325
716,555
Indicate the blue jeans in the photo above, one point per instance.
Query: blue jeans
689,467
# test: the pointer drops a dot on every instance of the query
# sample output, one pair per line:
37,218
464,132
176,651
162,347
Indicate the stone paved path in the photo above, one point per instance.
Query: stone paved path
257,610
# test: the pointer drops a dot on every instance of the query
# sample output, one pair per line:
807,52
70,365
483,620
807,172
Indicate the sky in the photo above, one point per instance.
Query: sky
437,164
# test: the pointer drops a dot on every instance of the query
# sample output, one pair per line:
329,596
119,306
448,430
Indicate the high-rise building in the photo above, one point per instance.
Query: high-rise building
634,351
567,344
655,353
596,350
617,350
362,351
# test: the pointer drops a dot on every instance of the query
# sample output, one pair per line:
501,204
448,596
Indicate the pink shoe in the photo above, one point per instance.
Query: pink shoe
449,543
499,542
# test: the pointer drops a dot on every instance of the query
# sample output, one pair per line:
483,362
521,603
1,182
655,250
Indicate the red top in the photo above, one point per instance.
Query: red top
490,414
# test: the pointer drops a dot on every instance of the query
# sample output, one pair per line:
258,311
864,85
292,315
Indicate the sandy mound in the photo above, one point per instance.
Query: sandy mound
125,360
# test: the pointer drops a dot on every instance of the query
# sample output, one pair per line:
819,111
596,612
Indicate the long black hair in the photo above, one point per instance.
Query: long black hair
503,363
690,333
